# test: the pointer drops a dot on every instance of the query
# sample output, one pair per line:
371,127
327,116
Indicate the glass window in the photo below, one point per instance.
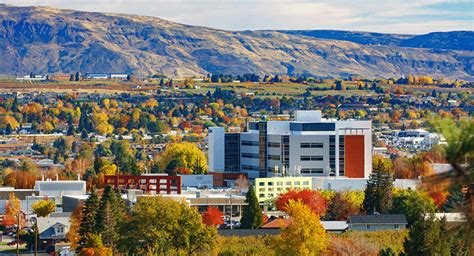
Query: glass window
297,183
288,183
368,227
306,183
261,183
261,195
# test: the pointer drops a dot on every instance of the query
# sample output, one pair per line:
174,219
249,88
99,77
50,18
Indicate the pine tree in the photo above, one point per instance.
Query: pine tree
107,217
455,198
14,107
161,82
71,131
77,77
428,236
88,222
97,164
71,77
252,216
84,134
339,86
8,129
378,192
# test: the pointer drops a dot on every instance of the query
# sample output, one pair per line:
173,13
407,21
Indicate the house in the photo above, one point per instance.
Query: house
329,226
52,230
377,222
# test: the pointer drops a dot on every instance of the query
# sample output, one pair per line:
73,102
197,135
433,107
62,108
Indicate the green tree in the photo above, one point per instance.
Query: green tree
378,192
339,86
426,237
109,216
169,227
252,216
88,221
455,198
413,203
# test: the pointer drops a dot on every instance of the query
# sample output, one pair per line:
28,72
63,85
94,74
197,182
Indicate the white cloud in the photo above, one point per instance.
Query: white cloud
405,16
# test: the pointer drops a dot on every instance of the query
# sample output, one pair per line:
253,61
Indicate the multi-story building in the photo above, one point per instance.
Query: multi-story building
307,146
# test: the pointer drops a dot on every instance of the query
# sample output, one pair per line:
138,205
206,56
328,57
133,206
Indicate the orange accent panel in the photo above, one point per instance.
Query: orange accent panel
354,156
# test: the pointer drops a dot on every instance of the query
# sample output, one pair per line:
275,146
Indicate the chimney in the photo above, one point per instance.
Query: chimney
78,177
57,177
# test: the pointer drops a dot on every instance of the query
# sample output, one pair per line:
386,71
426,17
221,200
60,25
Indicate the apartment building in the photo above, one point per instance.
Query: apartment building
307,146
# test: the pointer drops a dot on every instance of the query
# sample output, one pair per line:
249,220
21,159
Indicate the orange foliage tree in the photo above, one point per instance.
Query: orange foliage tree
212,217
12,209
313,199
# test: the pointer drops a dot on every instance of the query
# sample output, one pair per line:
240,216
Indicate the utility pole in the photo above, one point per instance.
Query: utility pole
231,224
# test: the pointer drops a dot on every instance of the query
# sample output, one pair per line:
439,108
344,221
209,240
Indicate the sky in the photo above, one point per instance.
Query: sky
385,16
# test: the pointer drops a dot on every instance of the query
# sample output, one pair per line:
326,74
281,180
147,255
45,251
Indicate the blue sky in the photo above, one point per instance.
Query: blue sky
404,16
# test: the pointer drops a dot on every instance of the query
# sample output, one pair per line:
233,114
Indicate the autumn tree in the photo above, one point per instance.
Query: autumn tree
12,209
252,216
339,208
304,235
183,156
43,208
213,217
412,203
313,199
168,227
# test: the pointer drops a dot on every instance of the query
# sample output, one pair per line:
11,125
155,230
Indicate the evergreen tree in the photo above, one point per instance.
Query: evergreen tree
427,237
339,86
14,107
32,75
455,198
88,222
252,216
378,192
71,131
8,129
108,217
171,83
161,82
71,77
97,163
77,77
84,134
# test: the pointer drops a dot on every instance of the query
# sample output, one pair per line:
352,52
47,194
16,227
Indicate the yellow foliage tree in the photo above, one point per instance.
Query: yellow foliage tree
9,120
43,208
186,156
304,235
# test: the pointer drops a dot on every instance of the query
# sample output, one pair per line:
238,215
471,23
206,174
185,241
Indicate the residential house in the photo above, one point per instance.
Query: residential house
377,222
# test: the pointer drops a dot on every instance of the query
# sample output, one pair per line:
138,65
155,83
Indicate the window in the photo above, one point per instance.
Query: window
311,145
274,157
312,170
261,195
297,183
279,183
288,183
261,190
306,183
368,227
261,183
250,168
311,158
249,155
249,143
273,144
270,183
396,227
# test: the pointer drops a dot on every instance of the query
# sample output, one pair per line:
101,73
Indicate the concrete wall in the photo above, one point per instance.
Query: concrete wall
198,181
216,154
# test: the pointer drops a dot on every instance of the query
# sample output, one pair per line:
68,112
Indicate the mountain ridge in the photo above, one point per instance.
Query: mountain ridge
49,40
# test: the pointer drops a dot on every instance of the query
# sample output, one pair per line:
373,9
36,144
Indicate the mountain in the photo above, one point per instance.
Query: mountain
455,40
48,40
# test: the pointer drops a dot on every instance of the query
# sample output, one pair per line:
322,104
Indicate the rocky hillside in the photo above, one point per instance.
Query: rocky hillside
47,40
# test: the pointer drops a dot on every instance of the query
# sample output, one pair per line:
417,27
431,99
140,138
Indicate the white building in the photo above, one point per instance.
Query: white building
308,146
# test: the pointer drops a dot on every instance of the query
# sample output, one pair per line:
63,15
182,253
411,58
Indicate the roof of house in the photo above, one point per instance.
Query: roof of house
248,232
327,225
378,219
276,223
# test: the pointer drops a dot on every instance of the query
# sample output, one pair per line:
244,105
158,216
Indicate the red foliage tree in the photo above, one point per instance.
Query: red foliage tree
212,217
8,219
313,199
